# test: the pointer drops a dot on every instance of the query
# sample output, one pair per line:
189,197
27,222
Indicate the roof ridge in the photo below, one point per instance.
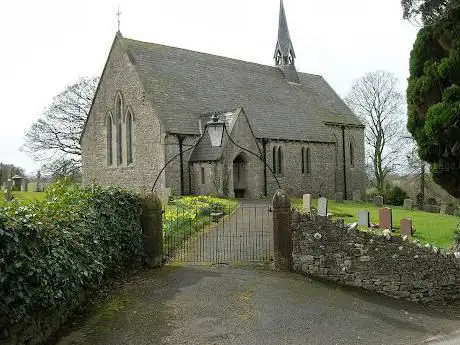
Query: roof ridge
209,54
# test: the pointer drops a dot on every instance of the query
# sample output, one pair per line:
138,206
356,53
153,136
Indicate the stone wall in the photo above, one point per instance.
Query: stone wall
386,264
321,179
119,76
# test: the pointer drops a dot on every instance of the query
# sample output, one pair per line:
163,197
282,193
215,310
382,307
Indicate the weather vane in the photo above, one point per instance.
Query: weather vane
118,17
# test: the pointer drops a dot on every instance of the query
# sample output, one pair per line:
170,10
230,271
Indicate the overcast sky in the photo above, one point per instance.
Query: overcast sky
49,44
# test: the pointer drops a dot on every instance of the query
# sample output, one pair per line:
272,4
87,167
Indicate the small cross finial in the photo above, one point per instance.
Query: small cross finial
118,17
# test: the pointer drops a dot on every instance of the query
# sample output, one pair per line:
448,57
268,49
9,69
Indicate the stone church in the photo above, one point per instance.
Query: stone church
153,102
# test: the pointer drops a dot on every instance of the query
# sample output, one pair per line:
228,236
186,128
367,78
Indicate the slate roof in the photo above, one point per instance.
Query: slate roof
185,84
204,151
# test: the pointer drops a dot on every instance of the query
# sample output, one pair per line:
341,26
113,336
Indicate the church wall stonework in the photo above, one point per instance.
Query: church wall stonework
356,179
172,172
152,147
119,75
321,179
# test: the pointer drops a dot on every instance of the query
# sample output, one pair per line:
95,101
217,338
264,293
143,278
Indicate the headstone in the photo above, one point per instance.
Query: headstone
24,185
39,187
357,196
378,201
451,210
432,208
443,209
5,185
339,197
307,203
322,207
385,218
406,227
407,204
364,219
7,194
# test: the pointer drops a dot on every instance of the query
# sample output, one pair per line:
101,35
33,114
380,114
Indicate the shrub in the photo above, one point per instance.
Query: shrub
395,196
56,252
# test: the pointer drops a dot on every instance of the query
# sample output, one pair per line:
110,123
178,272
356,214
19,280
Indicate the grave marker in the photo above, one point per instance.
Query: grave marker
307,202
408,204
385,218
364,219
406,227
378,201
322,207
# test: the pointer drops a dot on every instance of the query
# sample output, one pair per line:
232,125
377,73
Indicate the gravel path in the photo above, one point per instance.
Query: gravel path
246,305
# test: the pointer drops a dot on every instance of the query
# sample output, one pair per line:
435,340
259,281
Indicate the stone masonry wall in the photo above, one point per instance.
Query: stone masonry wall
149,156
385,264
321,179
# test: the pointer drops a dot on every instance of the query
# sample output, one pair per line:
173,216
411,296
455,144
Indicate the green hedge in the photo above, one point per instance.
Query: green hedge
55,253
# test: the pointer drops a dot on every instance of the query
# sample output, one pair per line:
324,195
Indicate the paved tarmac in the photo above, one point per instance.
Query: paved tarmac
249,305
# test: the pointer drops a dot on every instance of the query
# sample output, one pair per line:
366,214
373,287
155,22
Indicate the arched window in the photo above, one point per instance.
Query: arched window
129,137
280,161
118,124
352,154
109,124
274,159
307,161
303,160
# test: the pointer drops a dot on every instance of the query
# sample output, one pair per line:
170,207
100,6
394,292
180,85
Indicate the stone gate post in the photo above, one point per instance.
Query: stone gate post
282,231
152,228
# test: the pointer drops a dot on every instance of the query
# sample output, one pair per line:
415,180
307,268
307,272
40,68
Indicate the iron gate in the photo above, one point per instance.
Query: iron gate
242,235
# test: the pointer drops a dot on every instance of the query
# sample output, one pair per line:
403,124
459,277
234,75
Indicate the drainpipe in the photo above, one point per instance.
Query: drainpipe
181,162
344,164
264,144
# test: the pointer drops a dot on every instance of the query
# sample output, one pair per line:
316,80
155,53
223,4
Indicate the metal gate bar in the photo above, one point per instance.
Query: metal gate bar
242,236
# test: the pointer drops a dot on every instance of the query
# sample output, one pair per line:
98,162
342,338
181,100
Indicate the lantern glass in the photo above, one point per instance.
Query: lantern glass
216,132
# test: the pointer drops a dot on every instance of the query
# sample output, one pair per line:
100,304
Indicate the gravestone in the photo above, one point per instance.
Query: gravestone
364,219
378,201
385,218
451,210
407,204
406,227
307,203
443,209
7,194
357,196
322,207
24,185
339,197
39,187
5,185
432,208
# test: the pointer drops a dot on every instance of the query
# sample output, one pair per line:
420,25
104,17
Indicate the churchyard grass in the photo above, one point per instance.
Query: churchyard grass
437,229
24,197
28,196
185,216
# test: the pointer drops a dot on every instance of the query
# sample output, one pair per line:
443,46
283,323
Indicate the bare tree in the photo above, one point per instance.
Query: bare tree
379,104
54,137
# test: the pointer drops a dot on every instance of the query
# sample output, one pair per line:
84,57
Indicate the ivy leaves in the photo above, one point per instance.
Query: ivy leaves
53,252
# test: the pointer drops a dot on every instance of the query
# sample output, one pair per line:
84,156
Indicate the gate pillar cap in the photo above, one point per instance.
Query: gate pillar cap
151,202
281,199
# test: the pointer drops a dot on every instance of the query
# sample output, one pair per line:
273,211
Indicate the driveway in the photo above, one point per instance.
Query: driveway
246,305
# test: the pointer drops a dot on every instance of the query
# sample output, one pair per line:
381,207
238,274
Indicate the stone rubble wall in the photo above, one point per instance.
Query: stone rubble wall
386,264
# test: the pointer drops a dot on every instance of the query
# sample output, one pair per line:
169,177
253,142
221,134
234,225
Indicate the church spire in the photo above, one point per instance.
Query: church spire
284,51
